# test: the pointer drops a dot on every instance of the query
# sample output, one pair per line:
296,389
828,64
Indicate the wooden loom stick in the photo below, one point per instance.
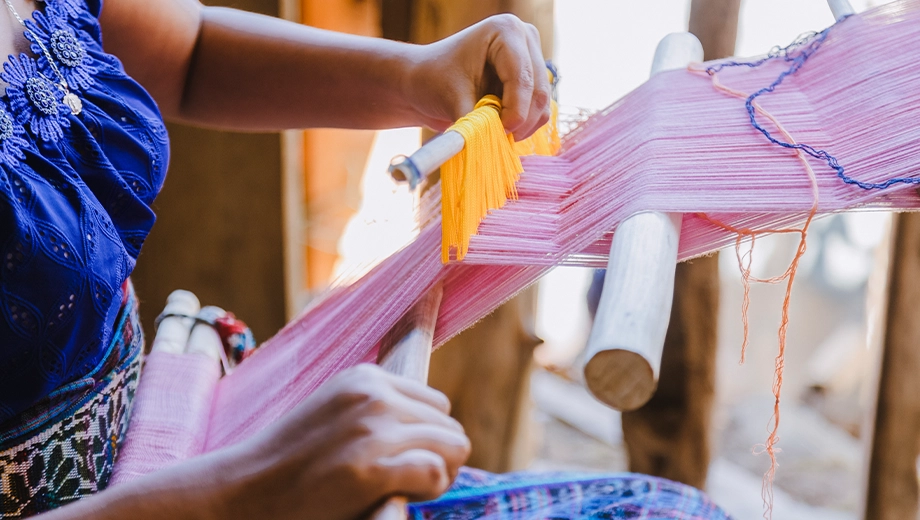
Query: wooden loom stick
406,352
432,155
625,346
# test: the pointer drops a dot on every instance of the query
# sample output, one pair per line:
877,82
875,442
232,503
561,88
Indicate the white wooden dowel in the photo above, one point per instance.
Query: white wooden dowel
427,159
840,8
624,349
409,356
173,330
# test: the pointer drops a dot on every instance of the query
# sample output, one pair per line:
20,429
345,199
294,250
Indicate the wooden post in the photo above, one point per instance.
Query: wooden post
669,436
892,492
229,250
486,374
234,250
486,370
396,19
715,23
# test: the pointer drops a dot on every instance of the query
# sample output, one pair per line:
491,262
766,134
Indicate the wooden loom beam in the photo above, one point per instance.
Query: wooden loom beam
669,436
892,491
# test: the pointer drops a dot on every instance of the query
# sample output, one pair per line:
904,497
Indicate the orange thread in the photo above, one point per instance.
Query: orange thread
744,263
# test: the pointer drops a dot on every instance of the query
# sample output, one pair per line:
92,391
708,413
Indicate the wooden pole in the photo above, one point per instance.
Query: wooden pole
892,492
715,23
669,436
242,249
625,347
406,352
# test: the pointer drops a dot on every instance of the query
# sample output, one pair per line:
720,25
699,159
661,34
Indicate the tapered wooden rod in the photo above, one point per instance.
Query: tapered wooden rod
409,356
626,342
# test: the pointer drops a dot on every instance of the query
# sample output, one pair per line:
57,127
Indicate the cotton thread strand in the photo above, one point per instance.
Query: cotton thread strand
753,108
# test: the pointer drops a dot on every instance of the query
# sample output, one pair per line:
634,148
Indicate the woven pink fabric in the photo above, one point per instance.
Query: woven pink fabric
675,144
170,415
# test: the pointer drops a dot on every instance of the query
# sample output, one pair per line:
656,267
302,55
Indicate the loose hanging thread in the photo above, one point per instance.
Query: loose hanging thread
806,47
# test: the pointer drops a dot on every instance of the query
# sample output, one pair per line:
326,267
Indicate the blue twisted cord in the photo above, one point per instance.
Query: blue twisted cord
797,53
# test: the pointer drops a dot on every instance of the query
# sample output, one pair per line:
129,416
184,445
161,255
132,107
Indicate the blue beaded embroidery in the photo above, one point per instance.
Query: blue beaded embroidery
12,143
67,46
34,99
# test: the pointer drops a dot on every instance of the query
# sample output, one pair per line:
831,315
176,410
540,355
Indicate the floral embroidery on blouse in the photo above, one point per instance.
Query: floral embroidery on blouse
11,141
67,47
65,8
34,99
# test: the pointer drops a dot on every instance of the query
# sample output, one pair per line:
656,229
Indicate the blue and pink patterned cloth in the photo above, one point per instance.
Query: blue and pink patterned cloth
582,496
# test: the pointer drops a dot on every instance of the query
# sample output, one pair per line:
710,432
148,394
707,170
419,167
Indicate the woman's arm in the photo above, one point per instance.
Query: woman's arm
236,70
361,437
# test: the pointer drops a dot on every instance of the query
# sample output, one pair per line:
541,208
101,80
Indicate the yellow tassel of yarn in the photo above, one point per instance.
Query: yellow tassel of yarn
546,140
482,177
478,179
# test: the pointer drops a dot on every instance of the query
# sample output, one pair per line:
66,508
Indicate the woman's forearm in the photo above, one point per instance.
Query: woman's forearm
254,72
232,69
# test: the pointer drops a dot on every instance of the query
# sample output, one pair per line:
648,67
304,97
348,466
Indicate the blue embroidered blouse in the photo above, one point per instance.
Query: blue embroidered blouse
75,195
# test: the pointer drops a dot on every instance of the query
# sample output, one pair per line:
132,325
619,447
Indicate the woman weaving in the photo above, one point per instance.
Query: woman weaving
84,153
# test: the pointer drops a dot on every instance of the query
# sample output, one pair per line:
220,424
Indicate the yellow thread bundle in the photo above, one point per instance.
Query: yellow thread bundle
546,140
482,176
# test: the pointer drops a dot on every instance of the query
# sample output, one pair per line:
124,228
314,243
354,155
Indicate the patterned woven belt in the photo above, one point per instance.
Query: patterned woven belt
64,447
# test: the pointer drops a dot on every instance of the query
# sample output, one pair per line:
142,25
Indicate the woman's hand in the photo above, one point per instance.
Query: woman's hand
500,55
363,436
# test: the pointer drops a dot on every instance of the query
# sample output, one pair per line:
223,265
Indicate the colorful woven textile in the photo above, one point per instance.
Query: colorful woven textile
525,496
71,454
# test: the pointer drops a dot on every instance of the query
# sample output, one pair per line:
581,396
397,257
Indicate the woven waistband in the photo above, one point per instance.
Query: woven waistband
64,448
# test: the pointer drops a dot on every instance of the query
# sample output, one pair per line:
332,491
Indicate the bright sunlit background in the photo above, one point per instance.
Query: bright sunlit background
604,49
